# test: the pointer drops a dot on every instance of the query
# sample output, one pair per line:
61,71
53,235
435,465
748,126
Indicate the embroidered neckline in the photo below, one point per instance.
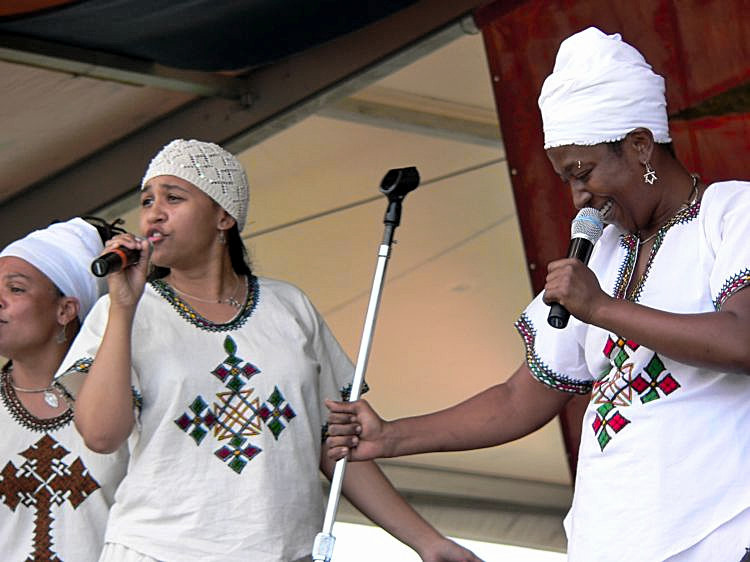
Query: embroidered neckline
189,313
630,243
24,418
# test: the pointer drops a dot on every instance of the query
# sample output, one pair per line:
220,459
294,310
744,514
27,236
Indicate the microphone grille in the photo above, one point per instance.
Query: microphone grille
587,224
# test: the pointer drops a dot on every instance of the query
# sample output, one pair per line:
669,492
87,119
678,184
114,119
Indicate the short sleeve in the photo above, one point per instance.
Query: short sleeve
725,216
335,369
82,352
554,356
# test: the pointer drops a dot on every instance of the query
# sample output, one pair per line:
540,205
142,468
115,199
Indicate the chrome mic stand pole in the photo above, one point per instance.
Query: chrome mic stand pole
396,184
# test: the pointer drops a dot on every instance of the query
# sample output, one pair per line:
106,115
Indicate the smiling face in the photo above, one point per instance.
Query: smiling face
30,307
180,220
608,180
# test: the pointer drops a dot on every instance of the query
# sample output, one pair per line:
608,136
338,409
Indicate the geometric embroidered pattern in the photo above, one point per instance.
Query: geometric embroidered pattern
189,314
733,284
41,482
542,371
656,379
237,413
607,417
616,388
630,243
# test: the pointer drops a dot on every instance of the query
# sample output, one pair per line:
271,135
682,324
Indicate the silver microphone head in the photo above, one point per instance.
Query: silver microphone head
588,224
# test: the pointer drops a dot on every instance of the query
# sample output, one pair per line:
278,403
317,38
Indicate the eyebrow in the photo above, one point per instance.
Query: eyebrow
167,186
12,276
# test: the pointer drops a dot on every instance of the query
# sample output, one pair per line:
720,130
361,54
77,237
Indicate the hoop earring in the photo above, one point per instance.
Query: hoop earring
62,335
650,176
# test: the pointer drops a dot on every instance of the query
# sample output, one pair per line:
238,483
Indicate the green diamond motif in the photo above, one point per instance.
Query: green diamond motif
604,409
603,438
276,427
276,398
236,383
237,464
621,358
198,405
654,367
198,434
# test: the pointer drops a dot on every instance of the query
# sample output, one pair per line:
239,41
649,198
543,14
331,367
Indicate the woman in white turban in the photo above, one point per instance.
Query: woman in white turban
55,493
659,334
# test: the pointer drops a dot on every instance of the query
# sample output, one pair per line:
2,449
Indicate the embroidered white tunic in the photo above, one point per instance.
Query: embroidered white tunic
55,494
224,465
665,446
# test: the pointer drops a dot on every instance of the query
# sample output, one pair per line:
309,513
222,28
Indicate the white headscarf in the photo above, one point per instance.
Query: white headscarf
600,89
63,252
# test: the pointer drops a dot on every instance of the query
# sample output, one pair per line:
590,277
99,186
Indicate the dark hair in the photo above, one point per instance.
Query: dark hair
106,229
237,255
616,147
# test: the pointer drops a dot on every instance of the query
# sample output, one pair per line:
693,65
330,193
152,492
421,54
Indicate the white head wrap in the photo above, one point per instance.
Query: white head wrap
208,167
63,252
600,89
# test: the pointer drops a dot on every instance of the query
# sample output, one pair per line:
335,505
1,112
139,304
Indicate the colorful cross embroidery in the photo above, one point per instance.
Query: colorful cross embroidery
660,379
617,386
237,414
273,415
41,482
607,417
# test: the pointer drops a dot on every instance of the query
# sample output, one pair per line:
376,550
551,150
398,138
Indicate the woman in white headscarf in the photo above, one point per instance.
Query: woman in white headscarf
660,333
55,492
229,372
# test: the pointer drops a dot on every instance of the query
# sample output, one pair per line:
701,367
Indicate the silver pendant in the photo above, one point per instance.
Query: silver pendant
51,399
231,301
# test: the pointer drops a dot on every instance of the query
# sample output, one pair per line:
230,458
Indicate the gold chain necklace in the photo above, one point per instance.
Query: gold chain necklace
685,205
49,396
230,300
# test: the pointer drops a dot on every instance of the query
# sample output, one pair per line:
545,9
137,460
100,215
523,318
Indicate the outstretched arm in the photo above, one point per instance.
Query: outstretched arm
367,488
501,413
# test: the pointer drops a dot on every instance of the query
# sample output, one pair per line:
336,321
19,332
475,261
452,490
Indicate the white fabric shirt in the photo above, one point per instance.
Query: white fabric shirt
665,446
54,493
225,461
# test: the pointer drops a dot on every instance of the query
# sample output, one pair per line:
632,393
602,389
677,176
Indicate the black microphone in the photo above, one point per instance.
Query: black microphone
585,230
113,261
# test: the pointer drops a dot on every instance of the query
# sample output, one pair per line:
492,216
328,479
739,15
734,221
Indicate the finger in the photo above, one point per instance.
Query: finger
335,418
337,453
344,429
341,407
348,441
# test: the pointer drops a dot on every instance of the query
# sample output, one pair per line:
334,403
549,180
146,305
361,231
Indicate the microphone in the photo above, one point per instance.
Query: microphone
585,230
114,260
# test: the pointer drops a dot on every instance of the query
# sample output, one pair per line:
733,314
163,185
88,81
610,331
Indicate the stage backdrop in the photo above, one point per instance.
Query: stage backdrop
701,47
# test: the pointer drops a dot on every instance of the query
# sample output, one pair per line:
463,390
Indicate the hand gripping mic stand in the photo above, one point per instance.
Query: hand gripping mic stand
396,184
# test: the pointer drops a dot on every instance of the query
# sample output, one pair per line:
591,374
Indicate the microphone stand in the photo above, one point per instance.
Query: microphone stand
396,184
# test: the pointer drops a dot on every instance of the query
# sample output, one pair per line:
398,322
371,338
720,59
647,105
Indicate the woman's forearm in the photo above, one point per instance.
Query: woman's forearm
104,407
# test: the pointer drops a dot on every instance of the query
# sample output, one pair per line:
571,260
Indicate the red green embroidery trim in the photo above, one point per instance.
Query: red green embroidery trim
734,284
539,370
189,314
630,243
